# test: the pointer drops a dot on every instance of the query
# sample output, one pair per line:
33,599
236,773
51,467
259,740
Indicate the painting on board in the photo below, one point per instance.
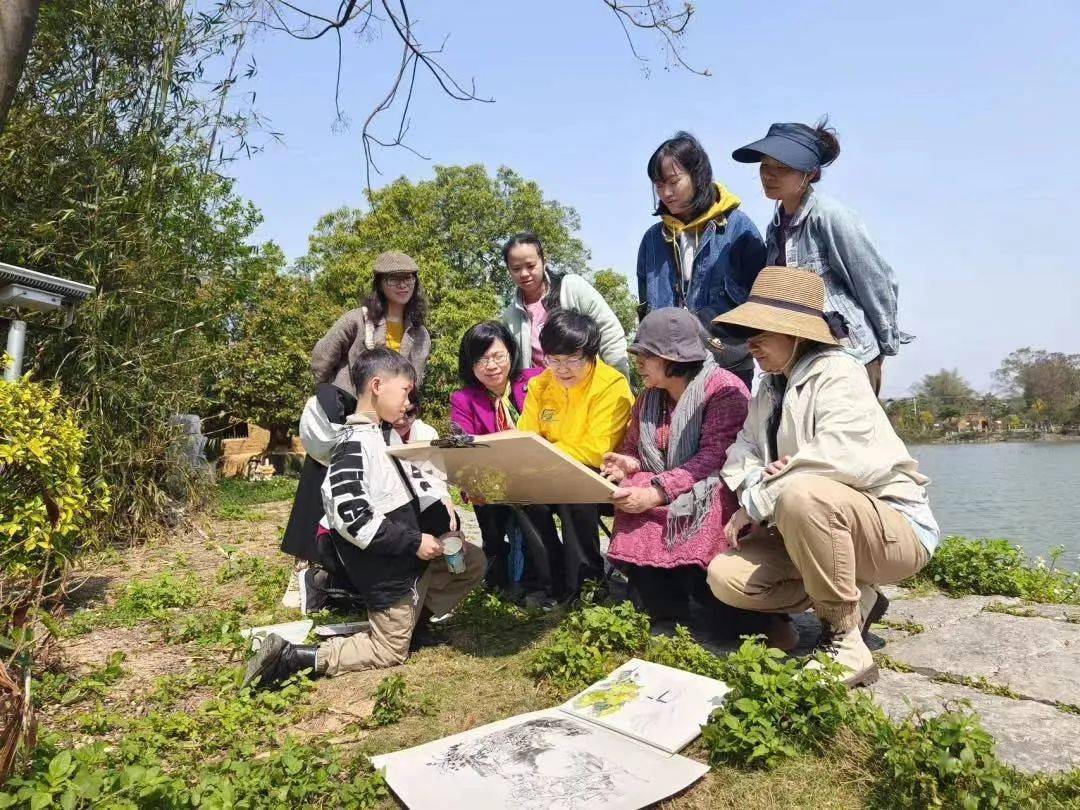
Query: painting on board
650,702
540,761
511,467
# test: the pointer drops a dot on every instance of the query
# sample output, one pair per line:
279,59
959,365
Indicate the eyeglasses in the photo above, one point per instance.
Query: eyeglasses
568,363
400,279
493,359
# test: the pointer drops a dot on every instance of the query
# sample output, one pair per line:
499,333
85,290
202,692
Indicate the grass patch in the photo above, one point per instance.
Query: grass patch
140,601
65,689
908,627
980,684
236,492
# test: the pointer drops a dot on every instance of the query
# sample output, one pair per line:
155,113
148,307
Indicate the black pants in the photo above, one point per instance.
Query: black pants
667,593
494,519
341,559
561,567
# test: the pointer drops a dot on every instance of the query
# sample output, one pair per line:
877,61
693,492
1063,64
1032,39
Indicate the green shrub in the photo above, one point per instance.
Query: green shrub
995,567
682,652
942,761
776,708
391,702
588,644
47,509
488,613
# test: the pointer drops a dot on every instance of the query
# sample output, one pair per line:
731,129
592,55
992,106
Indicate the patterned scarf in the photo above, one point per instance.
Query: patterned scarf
506,413
687,512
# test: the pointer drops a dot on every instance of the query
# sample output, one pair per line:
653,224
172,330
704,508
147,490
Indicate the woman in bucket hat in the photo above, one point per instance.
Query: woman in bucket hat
704,253
813,231
671,506
833,502
392,317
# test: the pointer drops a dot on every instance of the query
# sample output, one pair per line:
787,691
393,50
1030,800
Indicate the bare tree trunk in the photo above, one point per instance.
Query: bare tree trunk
18,19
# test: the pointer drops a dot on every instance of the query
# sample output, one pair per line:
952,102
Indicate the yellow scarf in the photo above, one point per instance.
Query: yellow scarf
726,202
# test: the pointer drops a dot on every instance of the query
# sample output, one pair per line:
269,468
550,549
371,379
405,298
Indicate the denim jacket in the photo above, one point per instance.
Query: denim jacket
727,261
831,239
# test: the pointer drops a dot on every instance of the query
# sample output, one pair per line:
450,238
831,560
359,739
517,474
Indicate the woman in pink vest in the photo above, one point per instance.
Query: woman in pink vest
489,366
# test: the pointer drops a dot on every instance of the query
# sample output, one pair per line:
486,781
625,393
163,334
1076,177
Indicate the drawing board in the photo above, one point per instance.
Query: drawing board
655,704
544,760
513,467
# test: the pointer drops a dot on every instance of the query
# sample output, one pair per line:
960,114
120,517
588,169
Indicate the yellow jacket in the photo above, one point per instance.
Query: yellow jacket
585,421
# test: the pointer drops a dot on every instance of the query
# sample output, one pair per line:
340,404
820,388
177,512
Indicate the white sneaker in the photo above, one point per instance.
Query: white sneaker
872,606
850,651
292,598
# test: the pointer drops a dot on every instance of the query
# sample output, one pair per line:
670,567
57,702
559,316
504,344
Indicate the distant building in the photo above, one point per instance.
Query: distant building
972,423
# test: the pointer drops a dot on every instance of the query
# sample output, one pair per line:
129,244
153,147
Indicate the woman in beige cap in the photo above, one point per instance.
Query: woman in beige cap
392,317
833,502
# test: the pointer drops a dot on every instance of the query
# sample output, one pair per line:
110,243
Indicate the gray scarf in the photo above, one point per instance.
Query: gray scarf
687,512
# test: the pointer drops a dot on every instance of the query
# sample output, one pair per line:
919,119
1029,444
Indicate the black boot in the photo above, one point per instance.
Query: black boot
277,660
426,634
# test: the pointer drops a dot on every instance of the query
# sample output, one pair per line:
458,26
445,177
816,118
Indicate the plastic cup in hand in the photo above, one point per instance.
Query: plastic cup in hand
454,551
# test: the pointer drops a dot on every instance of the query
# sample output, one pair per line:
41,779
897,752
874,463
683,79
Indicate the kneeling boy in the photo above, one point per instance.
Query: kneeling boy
382,542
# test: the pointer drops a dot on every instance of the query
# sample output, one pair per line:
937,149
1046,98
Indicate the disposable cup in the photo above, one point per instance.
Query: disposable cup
454,551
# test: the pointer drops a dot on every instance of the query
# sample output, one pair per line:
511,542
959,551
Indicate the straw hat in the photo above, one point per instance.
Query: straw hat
788,300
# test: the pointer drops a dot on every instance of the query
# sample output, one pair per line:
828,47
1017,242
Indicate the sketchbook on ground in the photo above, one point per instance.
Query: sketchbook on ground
611,747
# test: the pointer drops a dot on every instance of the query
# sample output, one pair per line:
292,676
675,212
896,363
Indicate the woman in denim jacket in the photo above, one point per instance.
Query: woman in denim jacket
813,231
704,254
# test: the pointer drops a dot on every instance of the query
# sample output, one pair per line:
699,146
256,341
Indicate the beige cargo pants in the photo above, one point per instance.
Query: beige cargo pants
828,539
386,644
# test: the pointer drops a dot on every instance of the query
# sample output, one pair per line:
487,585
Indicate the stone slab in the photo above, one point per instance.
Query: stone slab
1036,658
936,611
1030,736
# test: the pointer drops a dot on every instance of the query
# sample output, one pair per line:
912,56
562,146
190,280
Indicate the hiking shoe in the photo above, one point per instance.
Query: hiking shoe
872,606
850,651
276,660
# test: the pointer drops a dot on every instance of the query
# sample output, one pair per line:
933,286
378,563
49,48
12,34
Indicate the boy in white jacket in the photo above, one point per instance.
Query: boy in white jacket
382,540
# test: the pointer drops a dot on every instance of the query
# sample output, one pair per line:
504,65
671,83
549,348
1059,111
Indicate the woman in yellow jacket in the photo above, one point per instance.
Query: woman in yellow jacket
582,406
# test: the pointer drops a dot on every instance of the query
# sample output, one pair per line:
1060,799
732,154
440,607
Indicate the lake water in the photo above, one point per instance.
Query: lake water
1026,493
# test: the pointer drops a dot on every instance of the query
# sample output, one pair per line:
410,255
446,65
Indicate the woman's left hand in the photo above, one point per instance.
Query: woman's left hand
635,500
776,467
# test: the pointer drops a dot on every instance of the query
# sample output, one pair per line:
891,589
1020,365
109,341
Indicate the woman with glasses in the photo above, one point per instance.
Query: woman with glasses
539,292
491,400
581,405
705,253
392,317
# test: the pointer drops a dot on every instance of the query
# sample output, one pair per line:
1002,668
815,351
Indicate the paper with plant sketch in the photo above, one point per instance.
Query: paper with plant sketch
653,703
539,761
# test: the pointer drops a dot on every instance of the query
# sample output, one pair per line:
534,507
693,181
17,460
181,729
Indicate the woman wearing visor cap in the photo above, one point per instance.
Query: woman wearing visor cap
813,231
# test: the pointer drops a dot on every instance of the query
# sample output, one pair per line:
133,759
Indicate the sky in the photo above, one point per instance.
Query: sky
958,125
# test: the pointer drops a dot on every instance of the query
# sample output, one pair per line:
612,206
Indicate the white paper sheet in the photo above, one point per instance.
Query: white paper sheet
540,761
650,702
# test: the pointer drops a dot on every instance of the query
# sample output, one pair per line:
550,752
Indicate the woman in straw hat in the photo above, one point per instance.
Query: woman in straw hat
833,502
814,231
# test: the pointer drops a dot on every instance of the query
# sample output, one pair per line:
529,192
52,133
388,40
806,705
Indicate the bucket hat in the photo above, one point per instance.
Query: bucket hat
794,145
673,334
790,301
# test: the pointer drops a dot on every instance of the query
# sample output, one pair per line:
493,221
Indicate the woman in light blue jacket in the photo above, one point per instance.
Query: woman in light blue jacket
814,231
